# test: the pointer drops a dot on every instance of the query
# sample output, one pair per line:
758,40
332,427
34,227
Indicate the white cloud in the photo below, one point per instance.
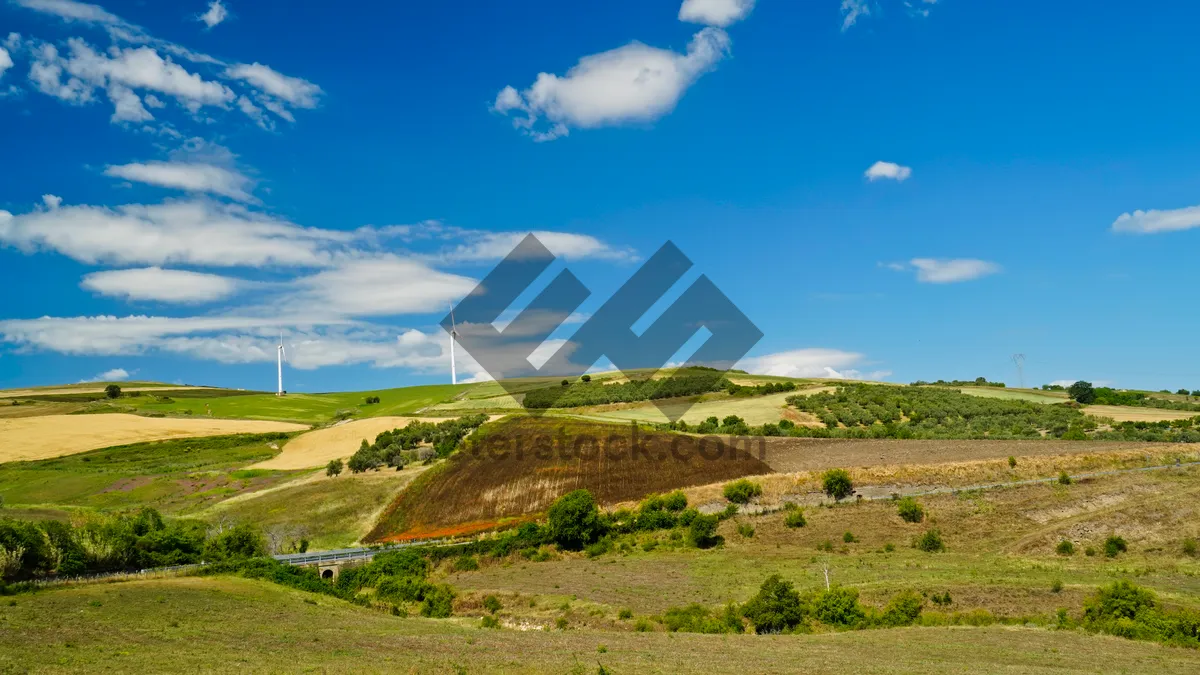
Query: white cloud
852,10
715,12
51,201
298,92
888,170
634,83
942,271
69,10
196,232
377,286
6,61
114,375
188,176
1151,222
157,284
216,14
568,245
831,363
120,71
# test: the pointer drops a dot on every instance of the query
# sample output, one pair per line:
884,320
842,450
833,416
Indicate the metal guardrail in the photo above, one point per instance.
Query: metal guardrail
348,554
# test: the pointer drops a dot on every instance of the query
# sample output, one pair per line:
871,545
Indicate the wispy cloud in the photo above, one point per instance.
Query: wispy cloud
715,12
814,362
215,15
946,271
1153,221
114,375
852,11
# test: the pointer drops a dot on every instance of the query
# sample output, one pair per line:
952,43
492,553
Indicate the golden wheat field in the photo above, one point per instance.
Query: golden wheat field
29,438
1123,413
317,448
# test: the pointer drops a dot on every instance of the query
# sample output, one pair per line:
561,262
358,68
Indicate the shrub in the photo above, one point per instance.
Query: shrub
837,484
943,599
466,563
1120,600
625,613
1065,548
889,547
492,604
838,606
698,619
334,467
776,607
1189,547
243,541
1012,462
438,602
910,511
742,491
1114,545
561,622
1063,477
574,520
489,622
930,542
675,501
746,530
702,531
848,537
643,626
585,378
795,519
1089,551
903,610
598,548
1056,586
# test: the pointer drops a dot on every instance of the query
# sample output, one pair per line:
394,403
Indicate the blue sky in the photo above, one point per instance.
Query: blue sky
900,190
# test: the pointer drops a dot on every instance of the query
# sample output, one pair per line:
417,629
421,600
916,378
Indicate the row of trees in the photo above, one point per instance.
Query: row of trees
124,541
977,382
418,441
684,383
1084,393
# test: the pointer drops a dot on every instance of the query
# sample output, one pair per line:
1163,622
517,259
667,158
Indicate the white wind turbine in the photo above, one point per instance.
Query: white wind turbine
453,337
279,360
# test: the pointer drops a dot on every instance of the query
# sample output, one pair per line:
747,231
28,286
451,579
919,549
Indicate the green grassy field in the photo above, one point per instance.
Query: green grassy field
1000,552
227,624
176,476
305,408
330,512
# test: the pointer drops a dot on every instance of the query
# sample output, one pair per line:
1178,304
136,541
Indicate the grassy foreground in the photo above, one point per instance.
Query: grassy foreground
226,624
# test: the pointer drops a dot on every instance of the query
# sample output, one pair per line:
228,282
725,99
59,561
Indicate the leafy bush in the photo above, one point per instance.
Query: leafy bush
675,501
489,622
742,491
838,606
910,511
698,619
746,530
1189,547
702,532
438,602
1012,462
1063,477
837,484
466,563
625,613
1065,548
492,604
848,537
795,519
1114,545
903,610
776,608
930,542
333,468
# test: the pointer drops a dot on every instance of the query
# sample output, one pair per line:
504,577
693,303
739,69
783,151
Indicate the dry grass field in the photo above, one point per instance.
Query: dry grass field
317,448
27,438
1124,413
516,467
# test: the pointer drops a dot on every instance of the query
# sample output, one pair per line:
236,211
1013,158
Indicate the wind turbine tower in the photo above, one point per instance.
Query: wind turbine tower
279,362
453,337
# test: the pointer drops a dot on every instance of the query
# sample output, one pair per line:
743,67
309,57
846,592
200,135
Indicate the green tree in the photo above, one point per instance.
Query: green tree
1082,392
112,391
776,607
243,541
837,483
574,520
838,606
703,530
333,468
